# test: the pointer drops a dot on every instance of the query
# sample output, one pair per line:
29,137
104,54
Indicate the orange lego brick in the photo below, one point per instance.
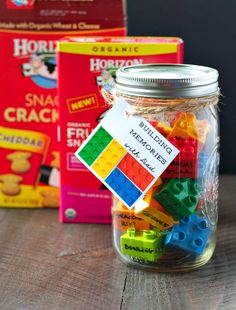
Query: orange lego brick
135,172
124,218
153,216
203,128
158,184
155,188
108,159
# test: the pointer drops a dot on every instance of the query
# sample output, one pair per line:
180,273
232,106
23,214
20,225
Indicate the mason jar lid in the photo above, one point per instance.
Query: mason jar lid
166,81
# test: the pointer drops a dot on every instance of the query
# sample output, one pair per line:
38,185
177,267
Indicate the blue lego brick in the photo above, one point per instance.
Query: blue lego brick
123,186
190,235
202,160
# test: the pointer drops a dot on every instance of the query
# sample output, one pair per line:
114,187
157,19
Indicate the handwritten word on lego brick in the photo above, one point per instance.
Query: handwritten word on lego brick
126,153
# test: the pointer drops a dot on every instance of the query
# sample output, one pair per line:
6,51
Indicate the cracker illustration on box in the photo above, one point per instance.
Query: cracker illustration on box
50,198
20,161
10,184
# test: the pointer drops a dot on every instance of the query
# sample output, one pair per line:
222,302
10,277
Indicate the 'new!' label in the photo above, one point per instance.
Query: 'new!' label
82,103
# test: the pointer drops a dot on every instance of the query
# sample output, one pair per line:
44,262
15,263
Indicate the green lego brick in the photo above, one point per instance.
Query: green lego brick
179,197
161,234
143,244
95,146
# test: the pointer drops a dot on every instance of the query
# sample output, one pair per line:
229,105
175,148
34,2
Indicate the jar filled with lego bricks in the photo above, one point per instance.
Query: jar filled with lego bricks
173,226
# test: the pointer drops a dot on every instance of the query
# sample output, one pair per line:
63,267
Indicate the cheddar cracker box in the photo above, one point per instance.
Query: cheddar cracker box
29,30
87,65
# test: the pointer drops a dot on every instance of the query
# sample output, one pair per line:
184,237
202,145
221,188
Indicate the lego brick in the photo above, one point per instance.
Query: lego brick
190,235
184,127
108,159
163,128
135,171
155,188
123,187
148,198
185,165
153,216
146,244
95,146
124,218
203,128
179,197
154,213
202,160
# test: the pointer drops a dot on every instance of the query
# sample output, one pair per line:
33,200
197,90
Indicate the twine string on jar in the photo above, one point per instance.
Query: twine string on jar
149,106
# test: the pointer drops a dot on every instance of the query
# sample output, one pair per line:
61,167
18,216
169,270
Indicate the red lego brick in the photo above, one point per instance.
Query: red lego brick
135,172
185,165
163,128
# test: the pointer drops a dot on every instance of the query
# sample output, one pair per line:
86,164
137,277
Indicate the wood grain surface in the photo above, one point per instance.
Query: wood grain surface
46,265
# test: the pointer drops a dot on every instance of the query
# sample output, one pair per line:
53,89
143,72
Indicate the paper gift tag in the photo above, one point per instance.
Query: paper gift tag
126,153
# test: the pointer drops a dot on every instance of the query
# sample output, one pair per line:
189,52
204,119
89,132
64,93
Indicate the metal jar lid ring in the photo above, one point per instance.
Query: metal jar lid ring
167,81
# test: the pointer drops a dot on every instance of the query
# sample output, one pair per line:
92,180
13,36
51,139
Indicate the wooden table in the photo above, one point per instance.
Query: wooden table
46,265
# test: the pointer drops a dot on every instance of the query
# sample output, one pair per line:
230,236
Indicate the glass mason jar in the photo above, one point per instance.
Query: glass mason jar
173,227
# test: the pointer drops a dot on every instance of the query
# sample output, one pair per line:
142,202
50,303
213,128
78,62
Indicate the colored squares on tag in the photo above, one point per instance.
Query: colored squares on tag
95,146
108,159
115,167
135,172
121,185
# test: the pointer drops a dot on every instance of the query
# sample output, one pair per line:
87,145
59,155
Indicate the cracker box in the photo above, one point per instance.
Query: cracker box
29,151
85,66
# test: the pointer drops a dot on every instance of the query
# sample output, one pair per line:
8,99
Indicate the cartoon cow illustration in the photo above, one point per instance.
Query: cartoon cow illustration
106,79
41,65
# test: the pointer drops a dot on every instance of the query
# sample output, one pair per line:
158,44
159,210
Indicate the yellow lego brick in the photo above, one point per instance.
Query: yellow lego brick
185,126
153,216
108,159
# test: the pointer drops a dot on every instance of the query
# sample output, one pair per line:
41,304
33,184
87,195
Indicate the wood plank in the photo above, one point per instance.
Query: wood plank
46,265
